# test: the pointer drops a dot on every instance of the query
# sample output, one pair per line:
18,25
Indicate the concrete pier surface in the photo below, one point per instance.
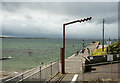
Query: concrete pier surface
98,73
73,66
74,63
109,72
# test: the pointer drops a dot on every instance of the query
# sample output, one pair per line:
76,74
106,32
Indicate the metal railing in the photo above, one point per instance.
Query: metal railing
41,73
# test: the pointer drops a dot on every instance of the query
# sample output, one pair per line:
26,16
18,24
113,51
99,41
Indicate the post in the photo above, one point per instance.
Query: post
58,66
82,70
83,44
103,37
63,51
22,77
111,70
51,69
63,39
40,72
62,62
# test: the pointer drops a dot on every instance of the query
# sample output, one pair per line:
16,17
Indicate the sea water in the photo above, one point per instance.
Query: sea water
29,53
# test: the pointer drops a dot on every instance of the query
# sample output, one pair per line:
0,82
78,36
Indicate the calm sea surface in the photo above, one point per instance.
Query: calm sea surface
42,50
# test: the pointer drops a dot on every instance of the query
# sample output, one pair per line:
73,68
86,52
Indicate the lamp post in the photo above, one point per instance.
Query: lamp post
63,49
103,36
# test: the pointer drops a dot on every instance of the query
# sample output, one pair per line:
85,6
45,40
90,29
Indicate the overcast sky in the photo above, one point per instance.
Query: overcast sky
45,19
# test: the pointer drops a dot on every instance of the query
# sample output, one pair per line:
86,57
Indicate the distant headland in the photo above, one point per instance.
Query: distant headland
23,37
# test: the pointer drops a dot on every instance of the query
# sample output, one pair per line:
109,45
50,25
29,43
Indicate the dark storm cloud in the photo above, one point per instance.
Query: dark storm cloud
108,20
70,8
111,20
119,18
97,10
46,19
11,6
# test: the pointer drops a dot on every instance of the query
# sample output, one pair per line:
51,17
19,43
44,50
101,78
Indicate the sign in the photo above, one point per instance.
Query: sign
109,57
117,55
91,58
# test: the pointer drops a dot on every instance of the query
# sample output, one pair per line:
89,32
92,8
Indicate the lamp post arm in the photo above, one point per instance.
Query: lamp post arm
71,22
82,20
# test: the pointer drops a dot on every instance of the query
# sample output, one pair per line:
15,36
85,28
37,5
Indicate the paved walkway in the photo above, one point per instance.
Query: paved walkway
103,72
73,64
109,72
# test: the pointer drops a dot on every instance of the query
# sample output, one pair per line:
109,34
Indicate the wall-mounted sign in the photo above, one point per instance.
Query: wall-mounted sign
109,57
91,58
117,55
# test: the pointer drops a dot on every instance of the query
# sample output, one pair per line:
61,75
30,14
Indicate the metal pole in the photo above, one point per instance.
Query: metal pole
58,66
63,51
51,69
22,77
111,70
82,70
40,72
62,62
103,37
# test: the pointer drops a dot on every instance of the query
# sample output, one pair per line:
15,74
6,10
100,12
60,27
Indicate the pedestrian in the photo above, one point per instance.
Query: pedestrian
88,51
83,50
77,52
73,45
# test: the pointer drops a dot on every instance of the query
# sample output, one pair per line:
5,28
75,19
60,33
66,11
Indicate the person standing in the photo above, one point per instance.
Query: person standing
88,51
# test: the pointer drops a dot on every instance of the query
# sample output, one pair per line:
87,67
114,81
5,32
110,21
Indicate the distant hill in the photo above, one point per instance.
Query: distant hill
2,37
21,37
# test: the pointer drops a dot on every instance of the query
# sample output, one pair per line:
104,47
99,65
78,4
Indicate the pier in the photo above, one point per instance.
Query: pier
74,63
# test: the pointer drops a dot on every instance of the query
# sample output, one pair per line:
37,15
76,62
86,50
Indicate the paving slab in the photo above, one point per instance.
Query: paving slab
103,72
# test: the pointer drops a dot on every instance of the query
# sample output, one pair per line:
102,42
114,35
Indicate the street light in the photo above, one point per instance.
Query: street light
103,36
63,49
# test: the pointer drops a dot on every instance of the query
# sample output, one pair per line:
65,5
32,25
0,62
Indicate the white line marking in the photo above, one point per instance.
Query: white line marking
74,78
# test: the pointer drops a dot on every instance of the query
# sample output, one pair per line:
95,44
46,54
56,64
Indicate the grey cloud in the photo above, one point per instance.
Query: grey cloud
51,28
28,17
70,8
29,30
111,20
108,20
11,6
119,19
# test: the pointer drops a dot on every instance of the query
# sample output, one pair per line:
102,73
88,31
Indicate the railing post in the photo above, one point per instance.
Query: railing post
40,72
22,77
82,70
58,65
51,69
111,70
